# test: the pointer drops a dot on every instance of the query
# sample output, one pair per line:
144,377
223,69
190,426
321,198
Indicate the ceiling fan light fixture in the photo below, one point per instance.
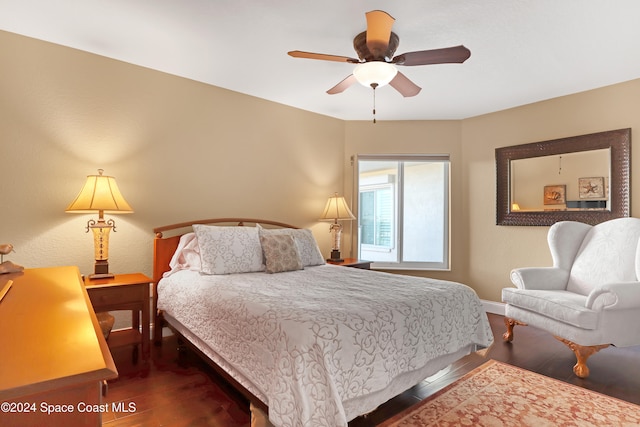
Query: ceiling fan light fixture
375,72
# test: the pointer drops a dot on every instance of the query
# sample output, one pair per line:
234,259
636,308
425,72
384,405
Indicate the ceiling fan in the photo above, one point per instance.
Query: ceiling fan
376,63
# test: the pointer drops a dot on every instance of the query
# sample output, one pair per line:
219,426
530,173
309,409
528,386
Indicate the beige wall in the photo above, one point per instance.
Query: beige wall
494,250
425,137
483,253
183,150
180,150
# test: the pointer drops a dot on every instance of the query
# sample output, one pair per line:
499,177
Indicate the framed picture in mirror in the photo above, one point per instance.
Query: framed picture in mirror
591,188
555,194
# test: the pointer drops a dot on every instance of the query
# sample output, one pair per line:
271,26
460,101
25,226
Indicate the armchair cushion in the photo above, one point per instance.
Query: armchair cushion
564,306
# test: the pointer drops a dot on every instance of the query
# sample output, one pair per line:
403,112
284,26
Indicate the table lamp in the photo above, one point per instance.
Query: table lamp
336,209
100,193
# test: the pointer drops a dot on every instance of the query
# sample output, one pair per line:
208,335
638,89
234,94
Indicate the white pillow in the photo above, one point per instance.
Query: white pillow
226,250
307,246
186,256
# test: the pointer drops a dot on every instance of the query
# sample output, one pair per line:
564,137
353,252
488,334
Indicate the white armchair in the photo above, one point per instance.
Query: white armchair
590,298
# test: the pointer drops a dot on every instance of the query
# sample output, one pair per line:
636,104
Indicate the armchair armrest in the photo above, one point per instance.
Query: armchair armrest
619,296
541,278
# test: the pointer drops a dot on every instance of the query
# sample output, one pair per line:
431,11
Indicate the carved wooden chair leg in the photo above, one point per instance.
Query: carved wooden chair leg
510,323
582,354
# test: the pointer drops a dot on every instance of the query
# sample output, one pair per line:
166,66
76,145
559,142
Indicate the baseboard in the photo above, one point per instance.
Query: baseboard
493,307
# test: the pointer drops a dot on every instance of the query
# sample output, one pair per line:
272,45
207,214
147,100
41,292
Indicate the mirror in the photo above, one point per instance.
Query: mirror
572,181
583,178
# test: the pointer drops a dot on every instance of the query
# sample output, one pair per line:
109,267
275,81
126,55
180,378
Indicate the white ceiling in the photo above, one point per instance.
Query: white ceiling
522,51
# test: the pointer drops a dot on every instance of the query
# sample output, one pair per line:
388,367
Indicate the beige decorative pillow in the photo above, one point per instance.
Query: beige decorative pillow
280,253
306,243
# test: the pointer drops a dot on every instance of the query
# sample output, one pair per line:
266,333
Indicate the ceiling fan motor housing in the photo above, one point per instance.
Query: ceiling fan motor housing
360,46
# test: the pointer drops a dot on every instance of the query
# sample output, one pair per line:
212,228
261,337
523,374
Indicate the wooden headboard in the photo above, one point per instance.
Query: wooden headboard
165,247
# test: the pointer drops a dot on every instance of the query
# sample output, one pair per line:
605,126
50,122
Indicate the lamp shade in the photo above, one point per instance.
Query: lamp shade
99,193
336,209
374,72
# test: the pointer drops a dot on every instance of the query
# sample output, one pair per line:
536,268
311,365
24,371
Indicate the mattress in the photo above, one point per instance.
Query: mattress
323,345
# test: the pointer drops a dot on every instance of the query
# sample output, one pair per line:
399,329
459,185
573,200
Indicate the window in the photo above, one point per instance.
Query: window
403,211
377,219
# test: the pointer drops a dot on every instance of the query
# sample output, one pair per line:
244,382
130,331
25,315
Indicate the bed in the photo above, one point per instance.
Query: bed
310,343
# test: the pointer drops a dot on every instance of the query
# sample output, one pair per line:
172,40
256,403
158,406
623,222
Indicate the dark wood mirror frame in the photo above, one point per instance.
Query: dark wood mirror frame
619,143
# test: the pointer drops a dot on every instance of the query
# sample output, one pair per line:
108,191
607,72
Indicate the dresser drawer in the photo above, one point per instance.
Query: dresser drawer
106,296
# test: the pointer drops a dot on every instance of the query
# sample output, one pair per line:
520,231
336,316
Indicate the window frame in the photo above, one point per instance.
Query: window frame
445,265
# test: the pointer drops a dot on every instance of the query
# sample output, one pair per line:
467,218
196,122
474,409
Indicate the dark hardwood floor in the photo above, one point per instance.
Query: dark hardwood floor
178,389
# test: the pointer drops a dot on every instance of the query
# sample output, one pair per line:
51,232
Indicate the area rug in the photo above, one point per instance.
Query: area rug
496,394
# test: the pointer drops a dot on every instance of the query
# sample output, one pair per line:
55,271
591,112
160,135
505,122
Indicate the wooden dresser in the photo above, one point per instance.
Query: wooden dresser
53,356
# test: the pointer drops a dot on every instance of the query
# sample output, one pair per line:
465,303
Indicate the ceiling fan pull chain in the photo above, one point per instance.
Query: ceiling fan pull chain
374,86
560,166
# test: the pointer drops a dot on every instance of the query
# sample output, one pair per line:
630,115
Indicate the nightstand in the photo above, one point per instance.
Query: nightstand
353,262
124,292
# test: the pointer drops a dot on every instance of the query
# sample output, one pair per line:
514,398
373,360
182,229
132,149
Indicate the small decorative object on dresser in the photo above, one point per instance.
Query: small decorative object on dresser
5,249
8,266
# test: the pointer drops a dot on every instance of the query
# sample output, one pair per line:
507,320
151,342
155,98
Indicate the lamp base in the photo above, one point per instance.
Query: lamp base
335,256
101,270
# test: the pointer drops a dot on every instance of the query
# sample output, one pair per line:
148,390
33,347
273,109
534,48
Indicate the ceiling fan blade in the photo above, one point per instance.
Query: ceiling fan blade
321,56
343,85
457,54
379,25
406,87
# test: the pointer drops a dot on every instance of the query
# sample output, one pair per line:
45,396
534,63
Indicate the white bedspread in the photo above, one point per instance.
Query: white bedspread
315,339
